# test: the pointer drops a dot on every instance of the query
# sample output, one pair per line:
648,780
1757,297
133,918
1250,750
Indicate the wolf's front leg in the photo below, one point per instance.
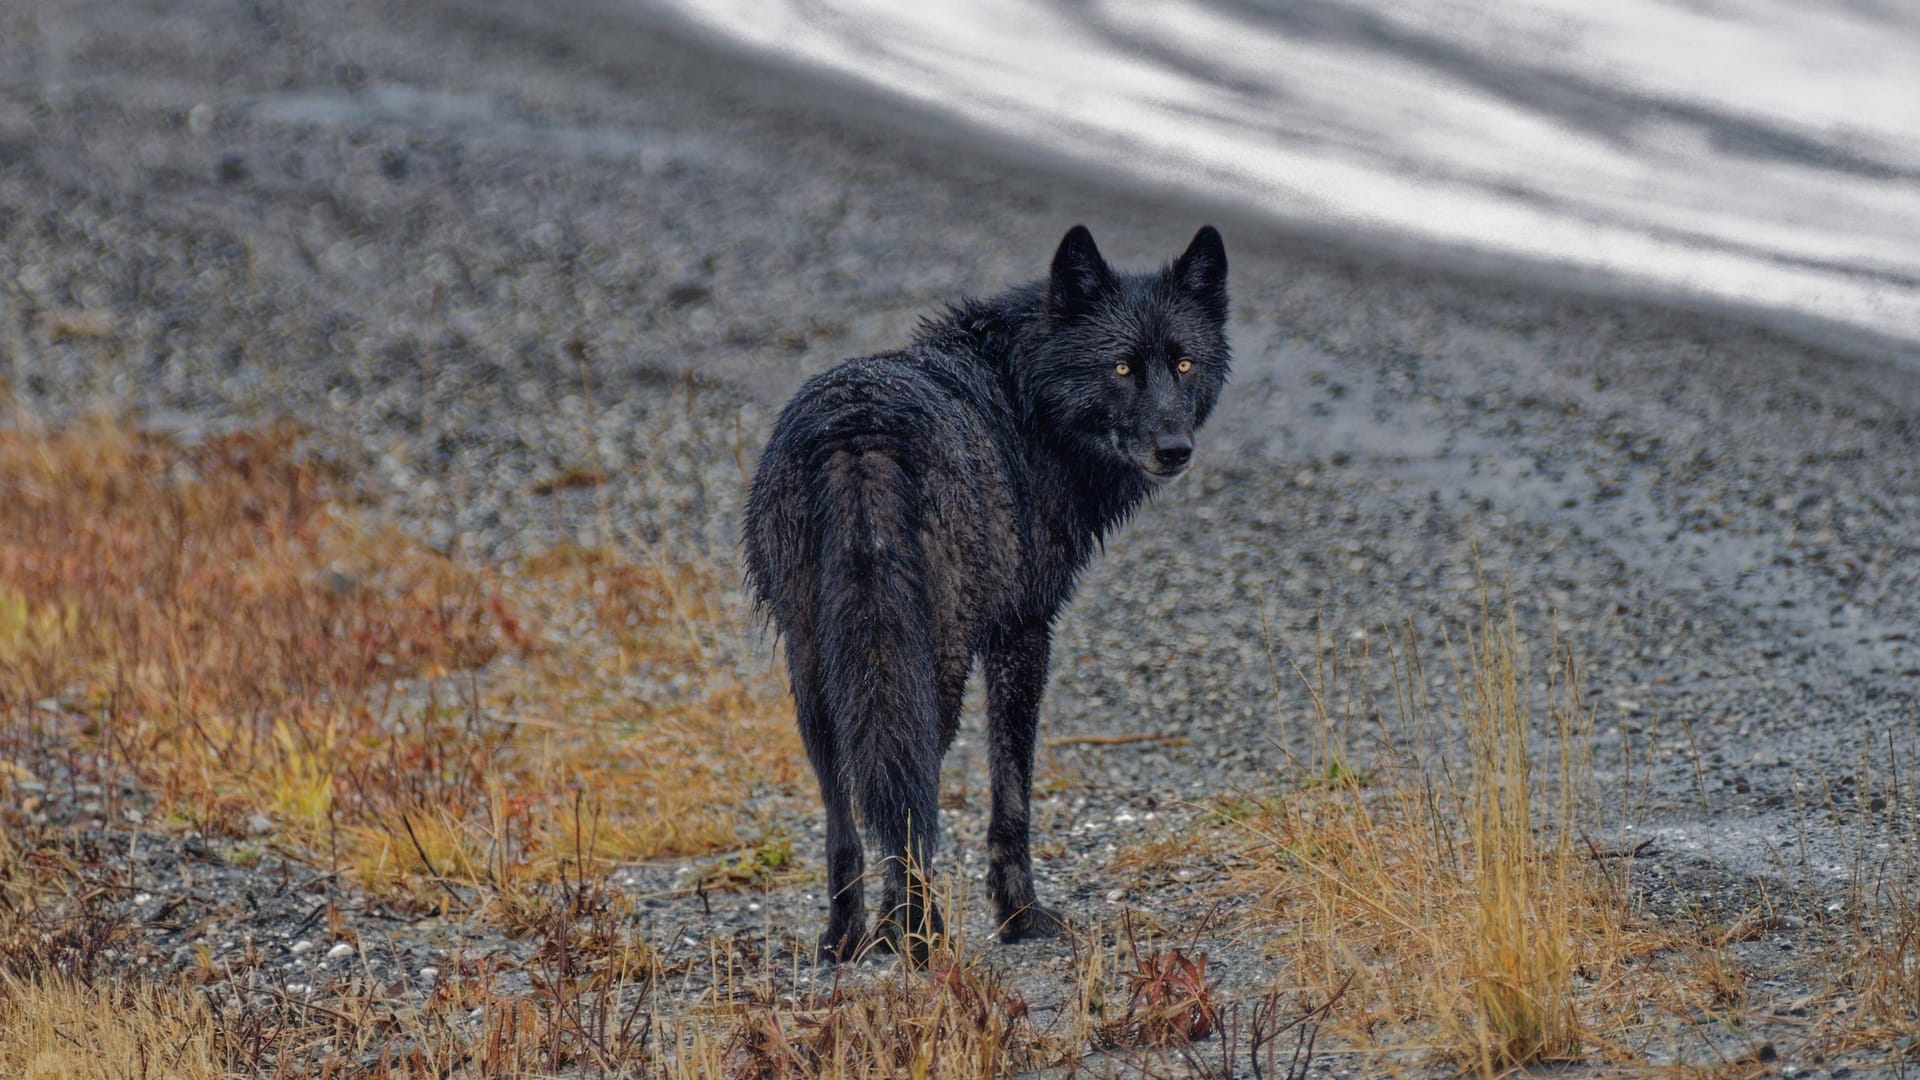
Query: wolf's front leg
1016,666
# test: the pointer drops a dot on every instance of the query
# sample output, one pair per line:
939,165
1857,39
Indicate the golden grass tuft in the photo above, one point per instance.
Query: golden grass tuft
1535,896
58,1029
1428,893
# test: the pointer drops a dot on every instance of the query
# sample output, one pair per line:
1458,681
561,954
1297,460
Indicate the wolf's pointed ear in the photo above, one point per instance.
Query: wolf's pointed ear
1202,271
1079,273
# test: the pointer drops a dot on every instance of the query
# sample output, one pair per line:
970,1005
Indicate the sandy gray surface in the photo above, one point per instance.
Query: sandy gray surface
432,231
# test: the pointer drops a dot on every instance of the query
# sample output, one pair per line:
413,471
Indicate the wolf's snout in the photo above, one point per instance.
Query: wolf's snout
1173,451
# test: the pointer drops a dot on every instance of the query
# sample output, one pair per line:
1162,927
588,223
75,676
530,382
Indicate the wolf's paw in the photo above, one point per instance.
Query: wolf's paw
891,932
1032,921
887,937
839,944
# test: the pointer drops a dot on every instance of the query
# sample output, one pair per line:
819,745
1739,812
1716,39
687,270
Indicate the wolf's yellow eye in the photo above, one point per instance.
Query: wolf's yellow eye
1122,369
1185,365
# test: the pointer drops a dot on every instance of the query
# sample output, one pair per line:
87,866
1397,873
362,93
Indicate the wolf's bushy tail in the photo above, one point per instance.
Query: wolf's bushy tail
875,636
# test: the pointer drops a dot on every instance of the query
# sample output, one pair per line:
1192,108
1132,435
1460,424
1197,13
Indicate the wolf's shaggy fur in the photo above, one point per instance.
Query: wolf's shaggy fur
921,508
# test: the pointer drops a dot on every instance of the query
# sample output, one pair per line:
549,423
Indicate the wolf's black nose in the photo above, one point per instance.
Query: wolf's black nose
1172,451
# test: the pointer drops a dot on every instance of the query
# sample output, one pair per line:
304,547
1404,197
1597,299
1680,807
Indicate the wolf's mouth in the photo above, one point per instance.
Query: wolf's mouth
1160,474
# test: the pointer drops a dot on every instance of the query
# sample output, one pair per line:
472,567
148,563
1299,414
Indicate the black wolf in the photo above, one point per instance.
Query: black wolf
921,508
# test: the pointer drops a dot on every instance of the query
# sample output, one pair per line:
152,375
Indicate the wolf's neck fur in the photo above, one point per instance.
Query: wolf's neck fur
1001,334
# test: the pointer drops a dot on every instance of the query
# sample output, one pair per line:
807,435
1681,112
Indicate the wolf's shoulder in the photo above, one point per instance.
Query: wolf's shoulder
917,379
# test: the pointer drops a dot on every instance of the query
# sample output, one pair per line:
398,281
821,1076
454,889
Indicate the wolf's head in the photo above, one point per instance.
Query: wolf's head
1132,363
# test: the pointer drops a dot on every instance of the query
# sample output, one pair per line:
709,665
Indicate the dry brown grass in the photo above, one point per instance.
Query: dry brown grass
955,1020
589,1007
220,624
59,1029
1462,922
219,627
957,1017
1868,995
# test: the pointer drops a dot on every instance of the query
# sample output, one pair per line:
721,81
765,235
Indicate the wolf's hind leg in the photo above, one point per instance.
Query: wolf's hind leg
953,670
900,802
900,810
847,916
1016,664
910,919
846,873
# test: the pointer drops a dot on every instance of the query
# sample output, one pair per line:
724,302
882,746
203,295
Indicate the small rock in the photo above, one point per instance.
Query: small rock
688,292
340,950
200,119
302,946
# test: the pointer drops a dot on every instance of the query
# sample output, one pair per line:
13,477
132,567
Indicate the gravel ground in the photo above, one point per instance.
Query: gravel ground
475,248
